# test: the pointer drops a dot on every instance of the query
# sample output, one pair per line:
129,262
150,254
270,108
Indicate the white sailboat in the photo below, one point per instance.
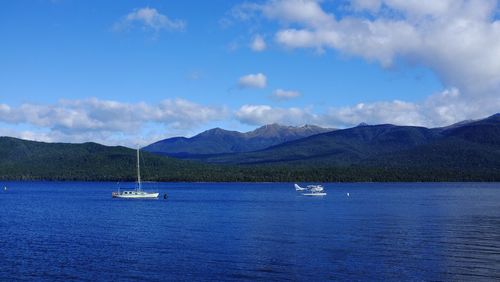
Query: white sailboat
311,190
138,193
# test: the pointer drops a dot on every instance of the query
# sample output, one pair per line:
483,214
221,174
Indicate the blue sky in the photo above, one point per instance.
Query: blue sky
118,71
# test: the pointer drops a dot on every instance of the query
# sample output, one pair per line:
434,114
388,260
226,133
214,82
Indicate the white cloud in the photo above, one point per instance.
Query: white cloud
257,80
394,112
150,18
306,12
439,109
458,39
369,5
242,12
281,94
94,119
258,44
265,114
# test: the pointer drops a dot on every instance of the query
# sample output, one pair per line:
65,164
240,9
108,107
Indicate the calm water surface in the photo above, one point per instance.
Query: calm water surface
76,231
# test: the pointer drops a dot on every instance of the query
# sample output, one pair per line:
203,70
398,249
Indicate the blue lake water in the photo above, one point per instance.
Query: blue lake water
240,231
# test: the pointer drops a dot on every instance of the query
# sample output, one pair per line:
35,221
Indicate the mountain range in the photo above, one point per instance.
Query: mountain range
220,141
466,151
471,144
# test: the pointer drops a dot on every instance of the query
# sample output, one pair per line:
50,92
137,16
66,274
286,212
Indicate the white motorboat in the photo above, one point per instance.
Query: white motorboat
311,190
137,193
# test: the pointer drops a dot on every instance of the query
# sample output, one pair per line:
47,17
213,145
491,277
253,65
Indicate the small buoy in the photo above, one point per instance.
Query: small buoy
348,194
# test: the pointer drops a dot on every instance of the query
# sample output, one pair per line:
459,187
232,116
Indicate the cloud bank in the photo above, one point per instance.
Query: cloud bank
99,120
439,109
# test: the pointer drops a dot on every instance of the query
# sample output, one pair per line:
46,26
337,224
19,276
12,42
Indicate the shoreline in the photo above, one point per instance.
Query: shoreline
248,182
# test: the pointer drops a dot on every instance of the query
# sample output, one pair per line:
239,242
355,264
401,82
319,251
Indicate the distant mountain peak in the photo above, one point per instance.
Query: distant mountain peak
216,132
271,126
274,124
281,126
363,124
275,130
267,130
310,126
457,124
218,140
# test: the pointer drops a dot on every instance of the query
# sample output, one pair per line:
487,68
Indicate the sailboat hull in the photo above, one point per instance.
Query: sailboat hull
136,195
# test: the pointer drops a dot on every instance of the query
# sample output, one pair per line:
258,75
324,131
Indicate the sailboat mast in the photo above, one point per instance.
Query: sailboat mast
138,170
